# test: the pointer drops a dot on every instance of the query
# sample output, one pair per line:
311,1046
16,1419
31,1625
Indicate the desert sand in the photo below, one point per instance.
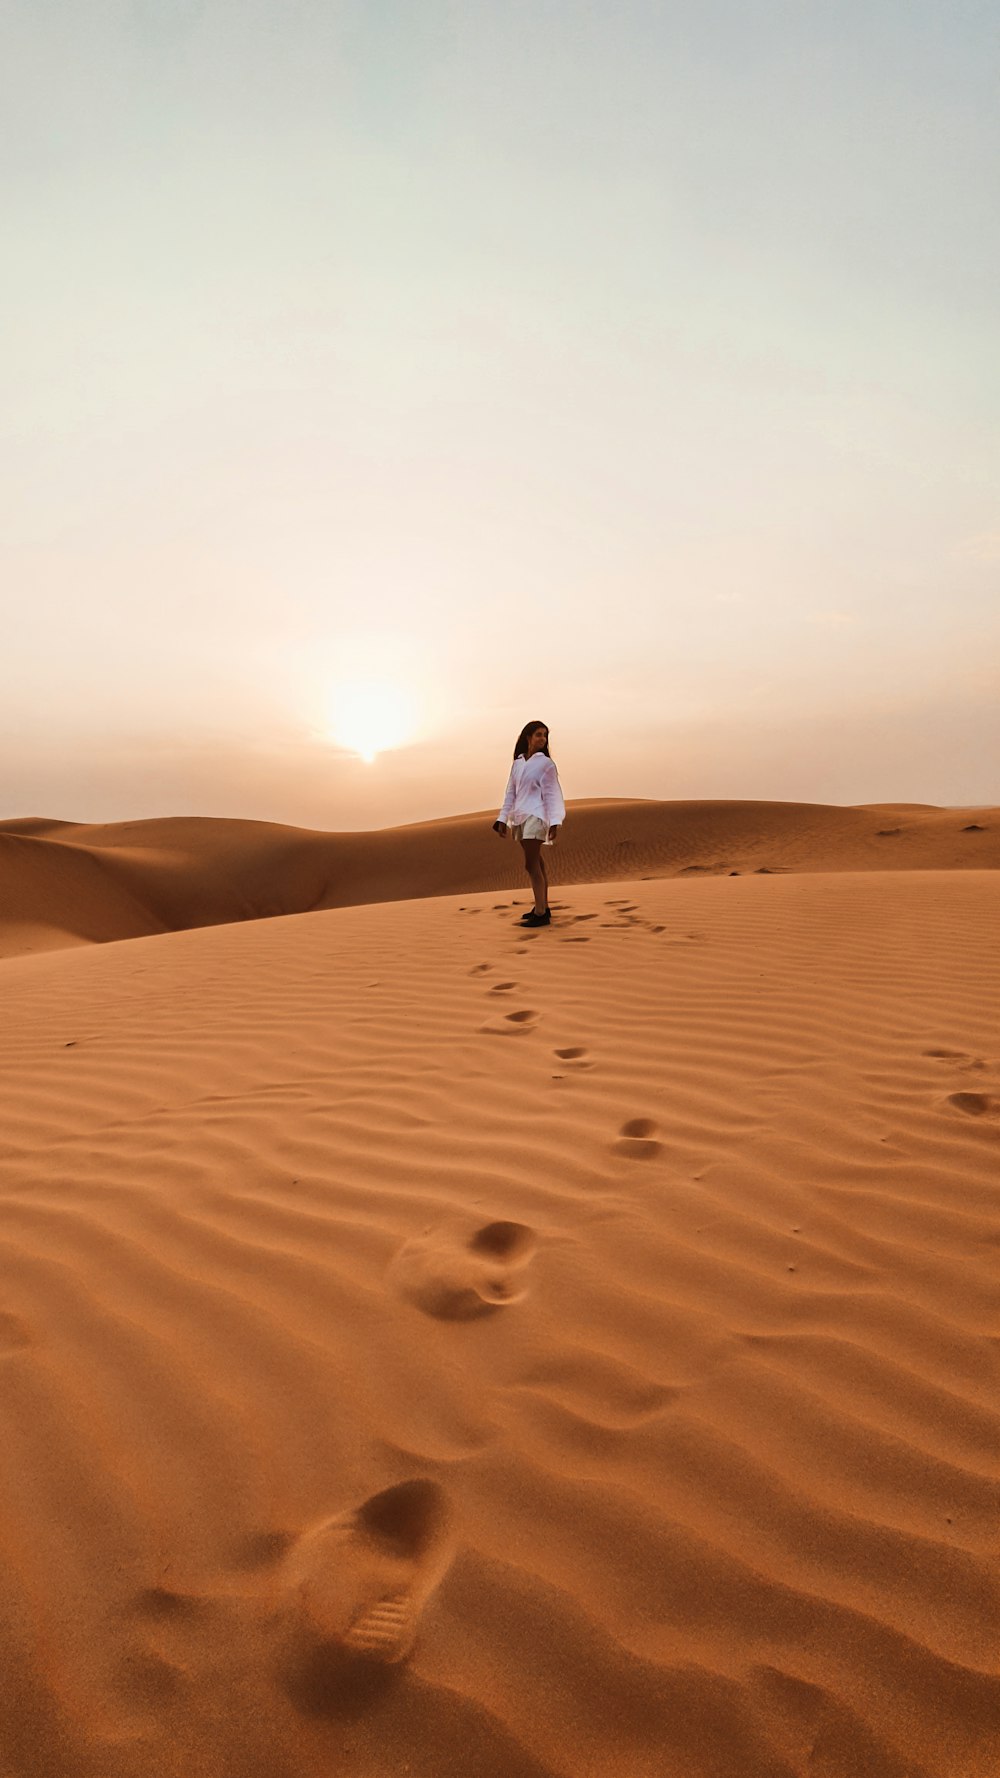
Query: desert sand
65,884
429,1347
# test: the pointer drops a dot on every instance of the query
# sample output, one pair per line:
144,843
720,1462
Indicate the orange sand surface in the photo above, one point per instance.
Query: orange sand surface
62,884
433,1348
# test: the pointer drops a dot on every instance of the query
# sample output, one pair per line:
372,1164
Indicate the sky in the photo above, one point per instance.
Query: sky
380,376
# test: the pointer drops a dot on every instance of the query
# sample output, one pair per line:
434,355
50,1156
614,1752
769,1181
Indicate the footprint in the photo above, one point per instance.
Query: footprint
974,1104
458,1273
502,987
363,1578
480,968
576,941
973,827
15,1334
577,1054
172,1627
150,1678
887,833
637,1139
578,917
167,1604
968,1064
513,1024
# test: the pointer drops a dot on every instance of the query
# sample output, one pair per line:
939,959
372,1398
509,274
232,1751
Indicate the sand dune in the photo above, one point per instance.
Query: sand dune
430,1347
64,884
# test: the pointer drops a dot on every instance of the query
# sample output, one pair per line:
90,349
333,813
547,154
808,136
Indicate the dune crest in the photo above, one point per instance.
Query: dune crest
62,883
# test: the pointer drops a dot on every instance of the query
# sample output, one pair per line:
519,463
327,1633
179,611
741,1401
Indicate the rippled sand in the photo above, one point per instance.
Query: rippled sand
428,1347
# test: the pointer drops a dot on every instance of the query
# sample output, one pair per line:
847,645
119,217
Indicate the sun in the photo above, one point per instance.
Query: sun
369,717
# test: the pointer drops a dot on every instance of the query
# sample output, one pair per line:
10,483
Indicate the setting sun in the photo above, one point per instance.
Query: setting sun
370,718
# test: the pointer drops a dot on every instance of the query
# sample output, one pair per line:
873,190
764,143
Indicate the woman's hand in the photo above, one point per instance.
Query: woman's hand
500,827
552,832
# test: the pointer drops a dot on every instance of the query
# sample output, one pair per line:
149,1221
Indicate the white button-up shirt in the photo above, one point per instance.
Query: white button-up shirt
533,788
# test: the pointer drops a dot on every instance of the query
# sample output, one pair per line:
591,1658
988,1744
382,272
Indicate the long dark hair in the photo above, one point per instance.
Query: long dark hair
521,744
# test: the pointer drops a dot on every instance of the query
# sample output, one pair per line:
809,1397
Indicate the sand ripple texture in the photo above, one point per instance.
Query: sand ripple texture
705,1387
63,884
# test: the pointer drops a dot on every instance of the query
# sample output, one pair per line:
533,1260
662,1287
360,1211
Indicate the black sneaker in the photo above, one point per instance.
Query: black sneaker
533,919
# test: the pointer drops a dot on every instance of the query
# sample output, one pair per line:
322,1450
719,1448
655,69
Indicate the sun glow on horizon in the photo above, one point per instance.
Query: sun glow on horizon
371,717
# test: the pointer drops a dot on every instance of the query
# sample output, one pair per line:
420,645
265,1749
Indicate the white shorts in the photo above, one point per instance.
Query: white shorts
532,828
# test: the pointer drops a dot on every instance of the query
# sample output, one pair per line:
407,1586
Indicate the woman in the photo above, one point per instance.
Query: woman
533,809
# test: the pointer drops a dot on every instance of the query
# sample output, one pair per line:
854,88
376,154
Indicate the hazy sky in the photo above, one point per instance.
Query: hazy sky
632,366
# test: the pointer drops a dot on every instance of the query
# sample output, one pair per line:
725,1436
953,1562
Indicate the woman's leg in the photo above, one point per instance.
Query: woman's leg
536,871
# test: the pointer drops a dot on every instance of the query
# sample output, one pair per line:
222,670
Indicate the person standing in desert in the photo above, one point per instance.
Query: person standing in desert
532,812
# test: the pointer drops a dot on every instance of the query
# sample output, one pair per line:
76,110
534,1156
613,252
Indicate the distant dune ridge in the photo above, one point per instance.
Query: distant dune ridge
62,883
434,1347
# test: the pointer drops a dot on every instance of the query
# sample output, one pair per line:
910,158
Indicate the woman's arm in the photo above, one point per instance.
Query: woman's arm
552,800
508,801
552,797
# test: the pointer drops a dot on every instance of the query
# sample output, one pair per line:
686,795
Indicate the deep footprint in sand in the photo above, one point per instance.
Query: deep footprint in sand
363,1578
511,1024
15,1334
457,1273
577,1055
502,987
967,1064
637,1139
480,968
168,1605
973,1104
